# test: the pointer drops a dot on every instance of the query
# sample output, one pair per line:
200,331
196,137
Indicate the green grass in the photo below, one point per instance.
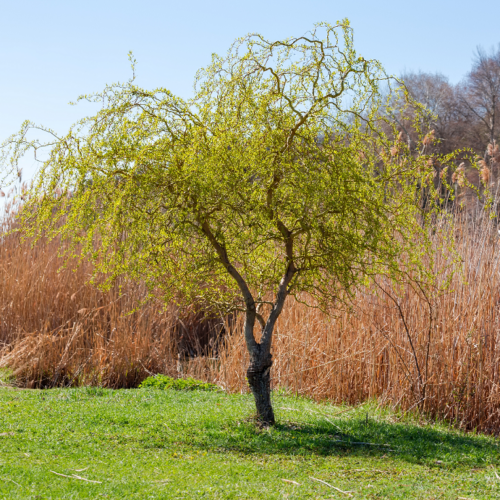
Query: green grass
180,384
149,443
6,377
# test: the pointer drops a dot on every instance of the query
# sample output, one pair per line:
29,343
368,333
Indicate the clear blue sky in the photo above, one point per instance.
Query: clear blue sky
53,50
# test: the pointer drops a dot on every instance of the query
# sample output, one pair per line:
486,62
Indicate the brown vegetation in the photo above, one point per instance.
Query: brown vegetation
440,355
56,329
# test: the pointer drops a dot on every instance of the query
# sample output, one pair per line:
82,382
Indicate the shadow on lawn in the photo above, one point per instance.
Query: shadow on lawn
363,438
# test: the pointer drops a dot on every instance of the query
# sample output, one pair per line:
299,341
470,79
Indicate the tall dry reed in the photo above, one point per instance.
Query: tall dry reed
55,329
441,355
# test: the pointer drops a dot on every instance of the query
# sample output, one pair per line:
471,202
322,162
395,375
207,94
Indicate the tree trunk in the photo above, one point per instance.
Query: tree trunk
258,373
259,380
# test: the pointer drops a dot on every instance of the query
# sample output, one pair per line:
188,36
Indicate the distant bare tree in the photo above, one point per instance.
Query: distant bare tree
479,98
436,93
466,115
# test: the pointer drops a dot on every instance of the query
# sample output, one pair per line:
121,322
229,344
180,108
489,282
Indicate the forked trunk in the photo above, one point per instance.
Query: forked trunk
259,371
259,380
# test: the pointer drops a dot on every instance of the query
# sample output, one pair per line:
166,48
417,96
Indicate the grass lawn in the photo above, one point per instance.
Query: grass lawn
149,443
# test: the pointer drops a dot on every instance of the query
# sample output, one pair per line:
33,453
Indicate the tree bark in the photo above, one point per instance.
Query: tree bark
259,380
259,371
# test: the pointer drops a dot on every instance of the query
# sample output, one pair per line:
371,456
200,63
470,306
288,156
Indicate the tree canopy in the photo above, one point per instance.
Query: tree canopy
284,174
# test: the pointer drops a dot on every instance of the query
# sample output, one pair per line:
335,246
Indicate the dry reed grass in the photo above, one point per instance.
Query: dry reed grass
442,356
55,329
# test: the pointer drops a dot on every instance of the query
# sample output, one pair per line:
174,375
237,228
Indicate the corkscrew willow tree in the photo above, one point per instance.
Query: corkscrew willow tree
282,175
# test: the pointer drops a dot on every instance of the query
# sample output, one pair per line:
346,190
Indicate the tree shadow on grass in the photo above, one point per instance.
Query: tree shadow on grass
360,437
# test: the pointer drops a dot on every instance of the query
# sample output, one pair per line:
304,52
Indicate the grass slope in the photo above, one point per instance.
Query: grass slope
148,443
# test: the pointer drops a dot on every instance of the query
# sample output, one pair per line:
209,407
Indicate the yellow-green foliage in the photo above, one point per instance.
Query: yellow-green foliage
287,152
